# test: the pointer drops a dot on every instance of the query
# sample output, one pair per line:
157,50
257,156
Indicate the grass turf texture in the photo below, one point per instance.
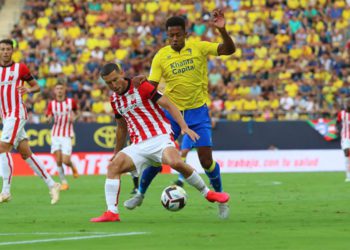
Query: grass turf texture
268,211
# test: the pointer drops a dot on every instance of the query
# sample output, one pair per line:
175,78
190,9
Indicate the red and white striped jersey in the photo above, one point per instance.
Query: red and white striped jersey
145,119
11,102
344,118
62,114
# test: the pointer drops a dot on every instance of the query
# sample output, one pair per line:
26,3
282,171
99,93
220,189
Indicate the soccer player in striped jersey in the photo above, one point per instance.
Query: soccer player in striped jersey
343,120
14,116
65,112
183,66
137,107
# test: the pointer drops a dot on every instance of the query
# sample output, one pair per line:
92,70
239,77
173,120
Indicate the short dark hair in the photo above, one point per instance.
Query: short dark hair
7,41
176,21
108,68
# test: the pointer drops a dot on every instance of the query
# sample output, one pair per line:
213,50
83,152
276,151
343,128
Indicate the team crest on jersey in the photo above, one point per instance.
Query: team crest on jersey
12,74
168,57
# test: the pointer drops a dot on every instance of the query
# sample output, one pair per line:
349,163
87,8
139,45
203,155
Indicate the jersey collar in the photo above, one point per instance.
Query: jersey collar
5,66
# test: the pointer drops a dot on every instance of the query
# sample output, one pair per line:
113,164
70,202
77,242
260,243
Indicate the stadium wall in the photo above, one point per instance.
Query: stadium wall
238,147
91,137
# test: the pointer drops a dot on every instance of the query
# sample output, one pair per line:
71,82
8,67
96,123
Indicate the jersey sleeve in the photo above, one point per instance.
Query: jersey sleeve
74,105
24,73
156,69
49,109
208,48
339,117
149,91
115,110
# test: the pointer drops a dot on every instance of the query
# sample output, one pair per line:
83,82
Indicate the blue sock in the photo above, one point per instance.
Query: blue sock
181,178
147,176
214,176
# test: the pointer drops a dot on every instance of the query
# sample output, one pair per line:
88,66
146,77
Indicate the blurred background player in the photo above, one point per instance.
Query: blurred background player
183,65
65,112
137,110
14,116
343,121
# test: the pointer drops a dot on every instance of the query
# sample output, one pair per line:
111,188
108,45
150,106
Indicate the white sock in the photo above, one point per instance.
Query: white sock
7,171
61,174
196,181
112,189
347,167
39,169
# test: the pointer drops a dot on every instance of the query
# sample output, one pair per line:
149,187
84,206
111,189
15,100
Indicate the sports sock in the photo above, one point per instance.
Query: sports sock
61,174
146,178
7,171
135,180
196,181
112,190
214,176
35,163
347,167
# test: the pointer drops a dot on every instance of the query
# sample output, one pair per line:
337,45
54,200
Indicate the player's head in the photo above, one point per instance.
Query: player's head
176,30
114,78
60,90
6,50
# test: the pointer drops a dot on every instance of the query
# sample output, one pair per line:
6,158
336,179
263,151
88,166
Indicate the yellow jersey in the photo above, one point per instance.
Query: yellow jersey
185,73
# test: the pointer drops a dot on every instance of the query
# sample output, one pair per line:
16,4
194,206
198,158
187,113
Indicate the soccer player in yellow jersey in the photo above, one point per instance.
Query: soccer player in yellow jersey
183,65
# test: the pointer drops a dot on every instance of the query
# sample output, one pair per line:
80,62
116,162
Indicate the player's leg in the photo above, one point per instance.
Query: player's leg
67,152
7,171
149,173
171,157
60,170
147,176
135,181
211,167
37,166
347,164
8,136
186,146
120,164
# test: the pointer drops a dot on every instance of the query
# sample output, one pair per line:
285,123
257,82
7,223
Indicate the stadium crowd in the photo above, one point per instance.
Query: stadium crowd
292,60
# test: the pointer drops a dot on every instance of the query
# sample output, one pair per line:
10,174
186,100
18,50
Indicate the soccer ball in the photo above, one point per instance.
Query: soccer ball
173,198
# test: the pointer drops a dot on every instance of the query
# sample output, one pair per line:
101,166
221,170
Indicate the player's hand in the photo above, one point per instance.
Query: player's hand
193,135
219,19
23,90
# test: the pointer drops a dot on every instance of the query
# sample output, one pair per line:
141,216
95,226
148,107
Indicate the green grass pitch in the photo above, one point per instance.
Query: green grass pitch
268,211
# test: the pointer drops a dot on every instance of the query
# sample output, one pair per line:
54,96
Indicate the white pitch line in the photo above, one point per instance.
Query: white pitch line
70,238
51,233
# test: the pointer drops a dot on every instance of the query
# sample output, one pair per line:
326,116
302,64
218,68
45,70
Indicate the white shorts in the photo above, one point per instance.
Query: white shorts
61,143
13,131
345,143
148,152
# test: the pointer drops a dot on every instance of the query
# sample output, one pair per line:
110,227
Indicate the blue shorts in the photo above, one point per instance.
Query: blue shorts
198,120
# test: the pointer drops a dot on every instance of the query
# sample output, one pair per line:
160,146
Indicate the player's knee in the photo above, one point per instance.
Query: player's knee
25,155
177,164
206,162
67,162
113,169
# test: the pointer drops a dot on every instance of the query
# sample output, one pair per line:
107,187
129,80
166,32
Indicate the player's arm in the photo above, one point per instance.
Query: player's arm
228,47
76,110
49,113
156,71
338,124
26,76
165,103
121,133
